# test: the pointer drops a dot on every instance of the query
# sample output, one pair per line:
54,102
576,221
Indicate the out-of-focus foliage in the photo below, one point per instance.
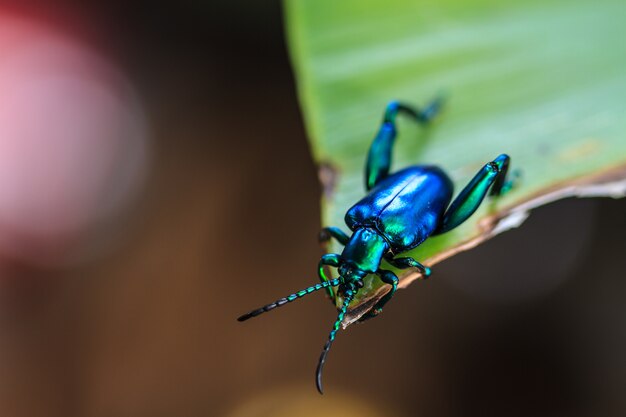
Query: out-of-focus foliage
543,81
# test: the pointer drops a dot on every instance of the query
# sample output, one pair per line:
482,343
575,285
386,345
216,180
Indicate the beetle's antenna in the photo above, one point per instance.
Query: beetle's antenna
289,298
349,296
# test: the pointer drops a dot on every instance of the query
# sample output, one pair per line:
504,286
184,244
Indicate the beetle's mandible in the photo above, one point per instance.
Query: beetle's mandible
400,211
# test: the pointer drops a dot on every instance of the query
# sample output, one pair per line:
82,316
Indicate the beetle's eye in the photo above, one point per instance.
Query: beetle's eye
359,283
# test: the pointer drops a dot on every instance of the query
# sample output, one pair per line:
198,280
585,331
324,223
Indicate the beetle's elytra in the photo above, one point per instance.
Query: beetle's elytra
400,211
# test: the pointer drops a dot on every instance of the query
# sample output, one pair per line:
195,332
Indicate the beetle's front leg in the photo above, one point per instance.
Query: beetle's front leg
330,259
465,204
408,262
379,155
333,232
387,277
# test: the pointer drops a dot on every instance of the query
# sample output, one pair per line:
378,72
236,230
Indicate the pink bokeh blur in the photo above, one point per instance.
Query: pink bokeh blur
73,143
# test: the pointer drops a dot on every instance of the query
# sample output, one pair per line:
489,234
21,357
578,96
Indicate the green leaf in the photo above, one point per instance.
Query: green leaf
543,81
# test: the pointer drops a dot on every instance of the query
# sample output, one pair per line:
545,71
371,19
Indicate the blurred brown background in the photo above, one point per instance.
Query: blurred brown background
531,323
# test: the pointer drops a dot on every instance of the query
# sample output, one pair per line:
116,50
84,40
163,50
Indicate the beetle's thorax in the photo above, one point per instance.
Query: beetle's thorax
364,251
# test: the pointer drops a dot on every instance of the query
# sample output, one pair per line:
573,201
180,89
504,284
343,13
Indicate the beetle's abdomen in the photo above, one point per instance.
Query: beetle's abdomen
405,207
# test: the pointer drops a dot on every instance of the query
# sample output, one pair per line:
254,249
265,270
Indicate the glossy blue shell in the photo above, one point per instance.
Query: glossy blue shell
405,207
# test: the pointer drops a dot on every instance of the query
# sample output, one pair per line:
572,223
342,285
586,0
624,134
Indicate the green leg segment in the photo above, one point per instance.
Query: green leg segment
379,156
330,259
491,175
334,232
390,278
407,262
502,183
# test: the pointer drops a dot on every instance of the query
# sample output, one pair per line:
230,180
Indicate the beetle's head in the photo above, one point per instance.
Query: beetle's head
352,277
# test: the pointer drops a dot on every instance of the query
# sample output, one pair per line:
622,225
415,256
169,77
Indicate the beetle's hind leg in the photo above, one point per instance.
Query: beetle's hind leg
379,155
493,175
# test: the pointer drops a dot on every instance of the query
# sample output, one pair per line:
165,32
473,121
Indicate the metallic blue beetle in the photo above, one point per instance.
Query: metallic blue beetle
400,211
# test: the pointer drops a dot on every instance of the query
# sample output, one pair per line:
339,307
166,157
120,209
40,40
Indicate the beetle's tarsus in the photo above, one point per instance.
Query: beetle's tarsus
379,156
427,272
433,109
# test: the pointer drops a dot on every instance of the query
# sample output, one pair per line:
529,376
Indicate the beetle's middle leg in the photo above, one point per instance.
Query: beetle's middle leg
333,232
379,155
493,175
408,262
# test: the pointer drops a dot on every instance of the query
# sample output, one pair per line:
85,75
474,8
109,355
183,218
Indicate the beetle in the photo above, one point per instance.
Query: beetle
400,211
